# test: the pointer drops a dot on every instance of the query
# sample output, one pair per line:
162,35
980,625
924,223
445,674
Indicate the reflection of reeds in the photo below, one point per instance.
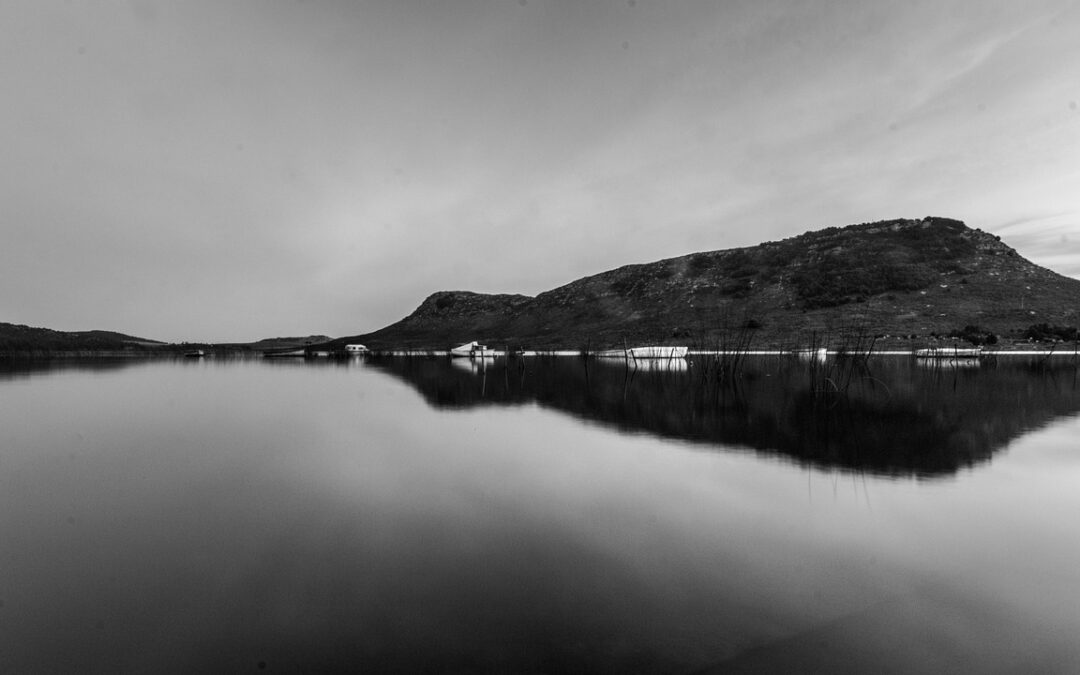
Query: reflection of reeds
853,354
817,362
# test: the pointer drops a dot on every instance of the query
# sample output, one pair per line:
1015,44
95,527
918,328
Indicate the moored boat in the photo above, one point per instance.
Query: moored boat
474,350
647,353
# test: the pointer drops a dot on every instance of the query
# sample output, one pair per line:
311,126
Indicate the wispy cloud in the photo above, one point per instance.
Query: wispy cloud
253,155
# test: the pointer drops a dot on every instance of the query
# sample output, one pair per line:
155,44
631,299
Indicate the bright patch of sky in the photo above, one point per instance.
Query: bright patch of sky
203,170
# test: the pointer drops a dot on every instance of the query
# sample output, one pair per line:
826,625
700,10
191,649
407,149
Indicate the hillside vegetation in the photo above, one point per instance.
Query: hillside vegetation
899,280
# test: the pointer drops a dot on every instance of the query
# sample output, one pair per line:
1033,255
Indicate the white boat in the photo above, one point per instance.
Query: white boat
474,350
948,353
658,352
356,349
636,353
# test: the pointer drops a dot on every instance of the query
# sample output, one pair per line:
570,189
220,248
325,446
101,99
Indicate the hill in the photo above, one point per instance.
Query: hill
900,280
269,344
20,339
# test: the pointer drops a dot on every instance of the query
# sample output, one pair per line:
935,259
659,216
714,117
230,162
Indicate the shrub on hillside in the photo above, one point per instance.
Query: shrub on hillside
975,335
1044,332
699,262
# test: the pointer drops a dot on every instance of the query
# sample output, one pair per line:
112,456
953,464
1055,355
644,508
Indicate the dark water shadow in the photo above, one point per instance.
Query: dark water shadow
889,417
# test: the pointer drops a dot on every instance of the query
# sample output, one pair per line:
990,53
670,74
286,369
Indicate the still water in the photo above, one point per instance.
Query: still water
428,516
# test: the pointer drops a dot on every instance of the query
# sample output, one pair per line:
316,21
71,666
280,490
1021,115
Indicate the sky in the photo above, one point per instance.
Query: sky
198,170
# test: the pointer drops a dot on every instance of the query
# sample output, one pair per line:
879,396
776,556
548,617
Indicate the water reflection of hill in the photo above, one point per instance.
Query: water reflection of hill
16,369
892,419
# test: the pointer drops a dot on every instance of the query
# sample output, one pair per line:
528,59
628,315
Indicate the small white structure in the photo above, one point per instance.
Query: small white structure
356,349
474,349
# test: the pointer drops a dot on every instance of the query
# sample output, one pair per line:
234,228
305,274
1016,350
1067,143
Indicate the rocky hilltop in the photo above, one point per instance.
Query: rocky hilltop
897,279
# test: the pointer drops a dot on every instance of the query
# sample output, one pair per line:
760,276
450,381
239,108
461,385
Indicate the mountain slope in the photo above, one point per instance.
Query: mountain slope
895,277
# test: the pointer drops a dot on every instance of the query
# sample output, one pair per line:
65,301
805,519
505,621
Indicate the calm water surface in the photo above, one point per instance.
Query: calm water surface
428,516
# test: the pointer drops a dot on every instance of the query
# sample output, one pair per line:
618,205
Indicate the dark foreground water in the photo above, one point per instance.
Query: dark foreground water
428,516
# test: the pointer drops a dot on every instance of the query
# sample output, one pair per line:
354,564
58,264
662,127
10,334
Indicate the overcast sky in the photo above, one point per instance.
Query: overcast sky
234,170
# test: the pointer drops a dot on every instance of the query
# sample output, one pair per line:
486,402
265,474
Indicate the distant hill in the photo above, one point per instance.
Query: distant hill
905,279
17,338
287,342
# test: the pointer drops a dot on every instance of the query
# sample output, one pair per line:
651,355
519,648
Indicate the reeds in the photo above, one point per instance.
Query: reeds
720,363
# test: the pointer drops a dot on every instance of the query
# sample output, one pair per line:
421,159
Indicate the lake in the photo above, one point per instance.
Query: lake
543,515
